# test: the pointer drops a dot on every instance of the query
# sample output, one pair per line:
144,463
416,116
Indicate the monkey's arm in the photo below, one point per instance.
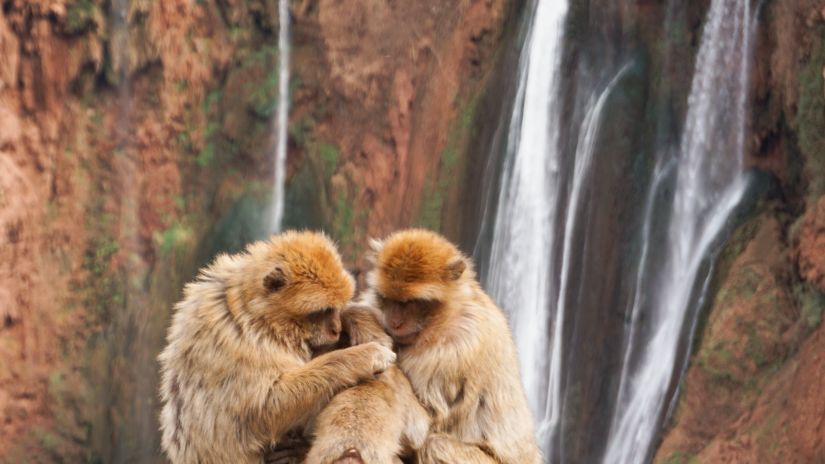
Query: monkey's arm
302,392
440,447
362,324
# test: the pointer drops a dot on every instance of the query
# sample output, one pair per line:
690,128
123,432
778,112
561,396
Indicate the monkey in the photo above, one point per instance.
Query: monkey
372,423
238,372
455,346
360,324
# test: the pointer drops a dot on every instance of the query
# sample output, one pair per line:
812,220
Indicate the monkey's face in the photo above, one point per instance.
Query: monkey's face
310,308
324,328
405,320
300,287
416,272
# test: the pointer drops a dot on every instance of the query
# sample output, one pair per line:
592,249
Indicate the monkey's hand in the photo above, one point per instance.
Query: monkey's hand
300,393
362,324
373,356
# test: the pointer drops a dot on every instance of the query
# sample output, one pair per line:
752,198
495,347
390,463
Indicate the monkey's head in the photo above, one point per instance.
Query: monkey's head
415,272
297,284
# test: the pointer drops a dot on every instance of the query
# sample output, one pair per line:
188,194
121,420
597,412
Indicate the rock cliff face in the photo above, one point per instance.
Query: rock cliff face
136,140
750,392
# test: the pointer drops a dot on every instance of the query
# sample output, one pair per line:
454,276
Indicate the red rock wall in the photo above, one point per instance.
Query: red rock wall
753,391
121,149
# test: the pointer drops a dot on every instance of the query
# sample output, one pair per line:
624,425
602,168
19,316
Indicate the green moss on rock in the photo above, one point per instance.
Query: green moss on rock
811,303
810,116
80,17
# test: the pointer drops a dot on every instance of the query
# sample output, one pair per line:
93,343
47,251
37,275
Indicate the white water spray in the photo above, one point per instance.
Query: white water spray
709,185
527,229
281,119
524,227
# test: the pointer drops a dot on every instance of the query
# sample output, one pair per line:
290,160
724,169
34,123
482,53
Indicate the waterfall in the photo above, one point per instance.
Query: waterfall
582,164
532,251
281,119
709,185
524,227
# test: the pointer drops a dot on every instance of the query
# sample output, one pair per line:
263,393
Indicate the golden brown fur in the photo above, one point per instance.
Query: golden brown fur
361,324
237,372
455,347
373,423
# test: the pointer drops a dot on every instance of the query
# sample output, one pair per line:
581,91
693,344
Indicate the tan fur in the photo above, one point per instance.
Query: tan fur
376,421
237,373
404,270
461,359
362,324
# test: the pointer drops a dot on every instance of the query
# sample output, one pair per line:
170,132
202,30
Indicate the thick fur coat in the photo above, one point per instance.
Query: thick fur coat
237,372
462,364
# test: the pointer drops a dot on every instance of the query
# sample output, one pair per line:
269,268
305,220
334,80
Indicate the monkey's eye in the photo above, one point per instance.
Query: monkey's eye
422,304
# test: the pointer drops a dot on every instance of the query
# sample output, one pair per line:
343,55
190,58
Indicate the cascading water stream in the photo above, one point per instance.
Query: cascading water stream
585,149
532,221
281,119
709,185
524,227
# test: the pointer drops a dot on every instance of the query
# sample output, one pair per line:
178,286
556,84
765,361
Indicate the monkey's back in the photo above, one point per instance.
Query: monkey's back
359,418
213,374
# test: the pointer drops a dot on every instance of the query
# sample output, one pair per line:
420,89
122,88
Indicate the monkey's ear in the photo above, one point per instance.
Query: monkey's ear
454,269
275,280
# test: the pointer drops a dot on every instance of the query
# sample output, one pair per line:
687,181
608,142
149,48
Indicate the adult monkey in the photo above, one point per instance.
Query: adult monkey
455,346
240,371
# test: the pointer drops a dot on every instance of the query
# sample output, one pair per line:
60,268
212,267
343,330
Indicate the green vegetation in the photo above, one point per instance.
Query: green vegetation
716,361
305,195
206,156
681,457
742,285
55,382
343,224
328,154
301,130
177,237
212,100
430,217
104,284
185,140
80,17
180,203
243,222
449,169
181,85
810,116
810,302
263,98
49,441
